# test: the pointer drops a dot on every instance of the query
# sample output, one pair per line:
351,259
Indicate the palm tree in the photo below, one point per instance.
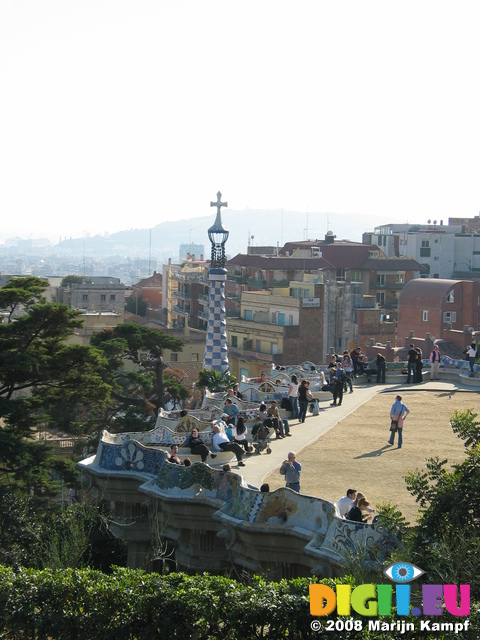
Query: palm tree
215,381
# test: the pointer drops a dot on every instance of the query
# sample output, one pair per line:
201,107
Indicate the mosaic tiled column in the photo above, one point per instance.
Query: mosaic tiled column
216,350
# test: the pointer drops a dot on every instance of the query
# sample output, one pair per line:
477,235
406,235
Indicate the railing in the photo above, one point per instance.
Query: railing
182,295
257,282
180,310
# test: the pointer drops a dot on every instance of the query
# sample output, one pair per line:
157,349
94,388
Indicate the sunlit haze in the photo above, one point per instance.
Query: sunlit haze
117,115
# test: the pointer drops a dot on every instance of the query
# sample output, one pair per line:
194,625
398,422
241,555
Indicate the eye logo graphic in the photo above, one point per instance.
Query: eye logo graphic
402,572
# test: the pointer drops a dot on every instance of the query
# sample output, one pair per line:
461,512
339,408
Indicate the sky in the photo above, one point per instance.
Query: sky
117,115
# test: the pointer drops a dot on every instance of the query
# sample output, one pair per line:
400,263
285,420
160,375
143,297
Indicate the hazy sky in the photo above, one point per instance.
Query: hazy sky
118,115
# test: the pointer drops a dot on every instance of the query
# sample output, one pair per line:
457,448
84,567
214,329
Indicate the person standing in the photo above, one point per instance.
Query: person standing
398,413
291,469
472,356
347,365
435,363
418,366
339,381
412,364
303,400
293,395
381,368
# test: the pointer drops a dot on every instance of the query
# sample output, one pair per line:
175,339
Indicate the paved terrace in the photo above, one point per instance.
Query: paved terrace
258,467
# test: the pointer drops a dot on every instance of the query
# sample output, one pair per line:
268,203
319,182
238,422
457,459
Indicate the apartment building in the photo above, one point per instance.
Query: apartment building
445,309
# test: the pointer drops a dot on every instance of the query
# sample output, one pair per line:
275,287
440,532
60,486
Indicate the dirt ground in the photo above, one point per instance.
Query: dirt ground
355,452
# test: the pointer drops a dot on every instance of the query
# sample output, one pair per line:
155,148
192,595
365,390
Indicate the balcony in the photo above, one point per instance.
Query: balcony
256,282
203,298
237,278
180,311
203,315
182,295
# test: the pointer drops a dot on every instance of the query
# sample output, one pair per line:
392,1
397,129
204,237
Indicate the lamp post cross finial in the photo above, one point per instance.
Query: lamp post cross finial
219,203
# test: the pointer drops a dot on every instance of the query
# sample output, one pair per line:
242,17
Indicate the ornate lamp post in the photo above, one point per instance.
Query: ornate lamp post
216,351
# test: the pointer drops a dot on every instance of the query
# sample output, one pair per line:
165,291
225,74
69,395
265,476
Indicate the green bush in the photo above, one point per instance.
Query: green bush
87,604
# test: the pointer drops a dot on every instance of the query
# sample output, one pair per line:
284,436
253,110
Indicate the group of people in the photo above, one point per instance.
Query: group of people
354,506
414,365
299,395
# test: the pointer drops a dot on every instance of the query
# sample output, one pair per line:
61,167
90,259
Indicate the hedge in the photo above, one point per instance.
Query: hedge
128,604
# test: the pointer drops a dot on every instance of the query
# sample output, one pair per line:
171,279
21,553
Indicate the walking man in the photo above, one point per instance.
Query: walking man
398,413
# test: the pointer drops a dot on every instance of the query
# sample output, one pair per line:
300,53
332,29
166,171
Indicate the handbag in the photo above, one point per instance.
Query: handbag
394,426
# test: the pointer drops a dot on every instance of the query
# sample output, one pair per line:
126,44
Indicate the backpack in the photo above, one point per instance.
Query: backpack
343,376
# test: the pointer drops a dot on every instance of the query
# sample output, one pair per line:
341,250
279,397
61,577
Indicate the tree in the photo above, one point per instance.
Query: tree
21,293
137,305
214,381
446,540
44,381
143,389
71,279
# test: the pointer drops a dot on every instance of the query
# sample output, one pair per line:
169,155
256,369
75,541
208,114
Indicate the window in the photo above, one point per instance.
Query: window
436,275
274,348
234,341
195,357
112,298
340,275
425,243
281,319
381,298
380,279
356,276
425,316
258,346
103,298
85,297
248,314
174,357
450,317
451,296
290,320
400,278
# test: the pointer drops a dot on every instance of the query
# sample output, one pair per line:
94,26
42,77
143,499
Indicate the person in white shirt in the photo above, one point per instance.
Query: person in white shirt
292,396
222,443
344,504
472,355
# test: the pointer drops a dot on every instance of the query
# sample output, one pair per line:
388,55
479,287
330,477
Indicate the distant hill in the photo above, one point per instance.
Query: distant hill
266,226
